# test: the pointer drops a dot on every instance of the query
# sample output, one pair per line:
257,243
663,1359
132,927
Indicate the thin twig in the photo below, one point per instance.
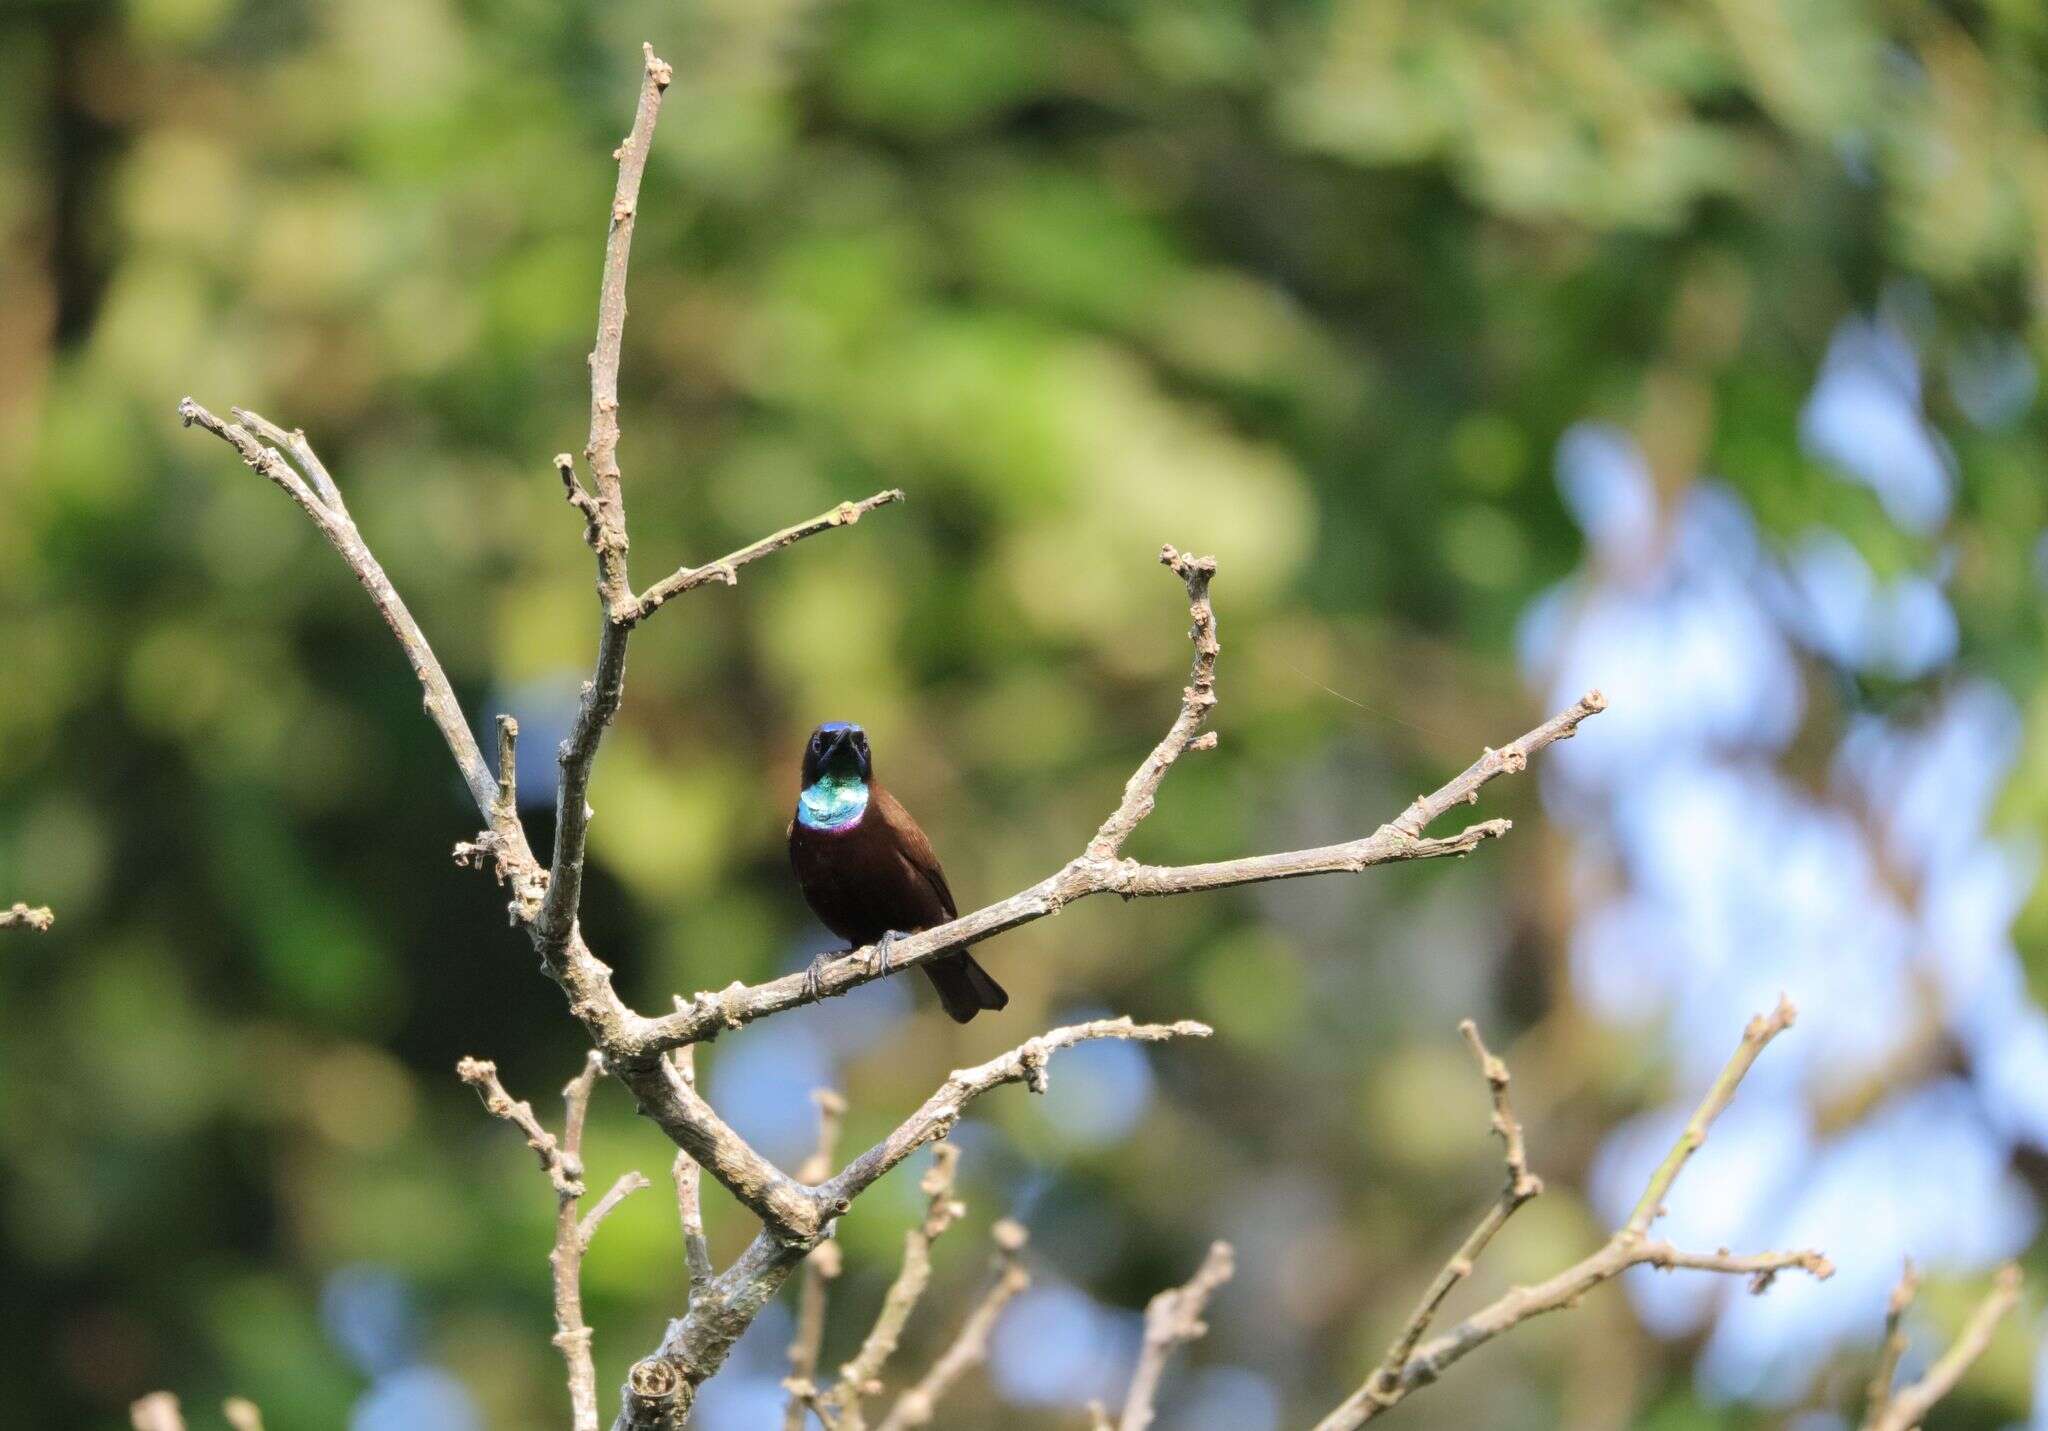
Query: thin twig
1879,1391
22,916
861,1377
605,530
1197,700
1629,1247
603,448
1907,1407
726,569
1520,1186
916,1406
1762,1029
507,806
820,1268
1025,1064
689,1193
562,1161
1173,1317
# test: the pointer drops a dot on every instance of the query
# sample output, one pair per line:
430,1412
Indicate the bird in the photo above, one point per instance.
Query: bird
868,872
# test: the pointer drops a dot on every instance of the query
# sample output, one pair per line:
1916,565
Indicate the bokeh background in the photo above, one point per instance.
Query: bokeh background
1686,349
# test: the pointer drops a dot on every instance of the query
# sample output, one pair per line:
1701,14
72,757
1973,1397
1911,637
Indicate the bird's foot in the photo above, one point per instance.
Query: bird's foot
885,951
814,975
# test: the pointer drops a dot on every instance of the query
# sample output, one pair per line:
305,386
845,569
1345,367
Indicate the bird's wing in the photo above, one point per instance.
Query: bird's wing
915,848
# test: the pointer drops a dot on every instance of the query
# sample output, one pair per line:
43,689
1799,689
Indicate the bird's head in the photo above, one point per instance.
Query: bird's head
838,749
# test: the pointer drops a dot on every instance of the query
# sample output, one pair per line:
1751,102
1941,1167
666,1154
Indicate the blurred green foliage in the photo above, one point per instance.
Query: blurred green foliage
1315,286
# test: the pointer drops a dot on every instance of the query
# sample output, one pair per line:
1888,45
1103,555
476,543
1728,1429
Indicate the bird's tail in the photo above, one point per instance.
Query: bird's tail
965,988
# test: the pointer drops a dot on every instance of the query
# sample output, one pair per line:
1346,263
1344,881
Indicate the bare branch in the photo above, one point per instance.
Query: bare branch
1629,1247
708,1013
1197,700
1520,1187
561,1166
698,1343
603,449
820,1268
1024,1064
861,1377
563,1163
157,1411
1907,1407
916,1406
1762,1029
22,916
507,807
1879,1391
242,1414
628,1184
302,453
1171,1318
605,530
689,1196
726,568
340,530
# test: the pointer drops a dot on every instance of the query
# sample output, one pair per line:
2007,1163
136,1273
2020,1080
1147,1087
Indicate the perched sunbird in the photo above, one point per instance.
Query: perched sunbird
867,870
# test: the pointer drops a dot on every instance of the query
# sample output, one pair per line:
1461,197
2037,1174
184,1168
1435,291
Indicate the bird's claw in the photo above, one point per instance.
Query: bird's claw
814,976
885,950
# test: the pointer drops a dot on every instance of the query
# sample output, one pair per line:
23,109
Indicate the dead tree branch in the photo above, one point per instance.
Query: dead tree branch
917,1406
1409,1367
1171,1318
1907,1406
689,1192
563,1163
861,1377
820,1268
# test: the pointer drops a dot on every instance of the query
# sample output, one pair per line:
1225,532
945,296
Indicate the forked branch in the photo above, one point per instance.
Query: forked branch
1099,870
1408,1367
1905,1407
917,1406
562,1161
1172,1318
697,1344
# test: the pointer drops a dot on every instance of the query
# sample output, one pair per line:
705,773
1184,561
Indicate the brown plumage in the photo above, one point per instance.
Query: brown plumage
877,874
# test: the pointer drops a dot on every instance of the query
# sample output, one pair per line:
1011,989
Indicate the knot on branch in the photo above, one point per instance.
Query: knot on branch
657,1395
730,1001
1187,566
1033,1061
490,851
